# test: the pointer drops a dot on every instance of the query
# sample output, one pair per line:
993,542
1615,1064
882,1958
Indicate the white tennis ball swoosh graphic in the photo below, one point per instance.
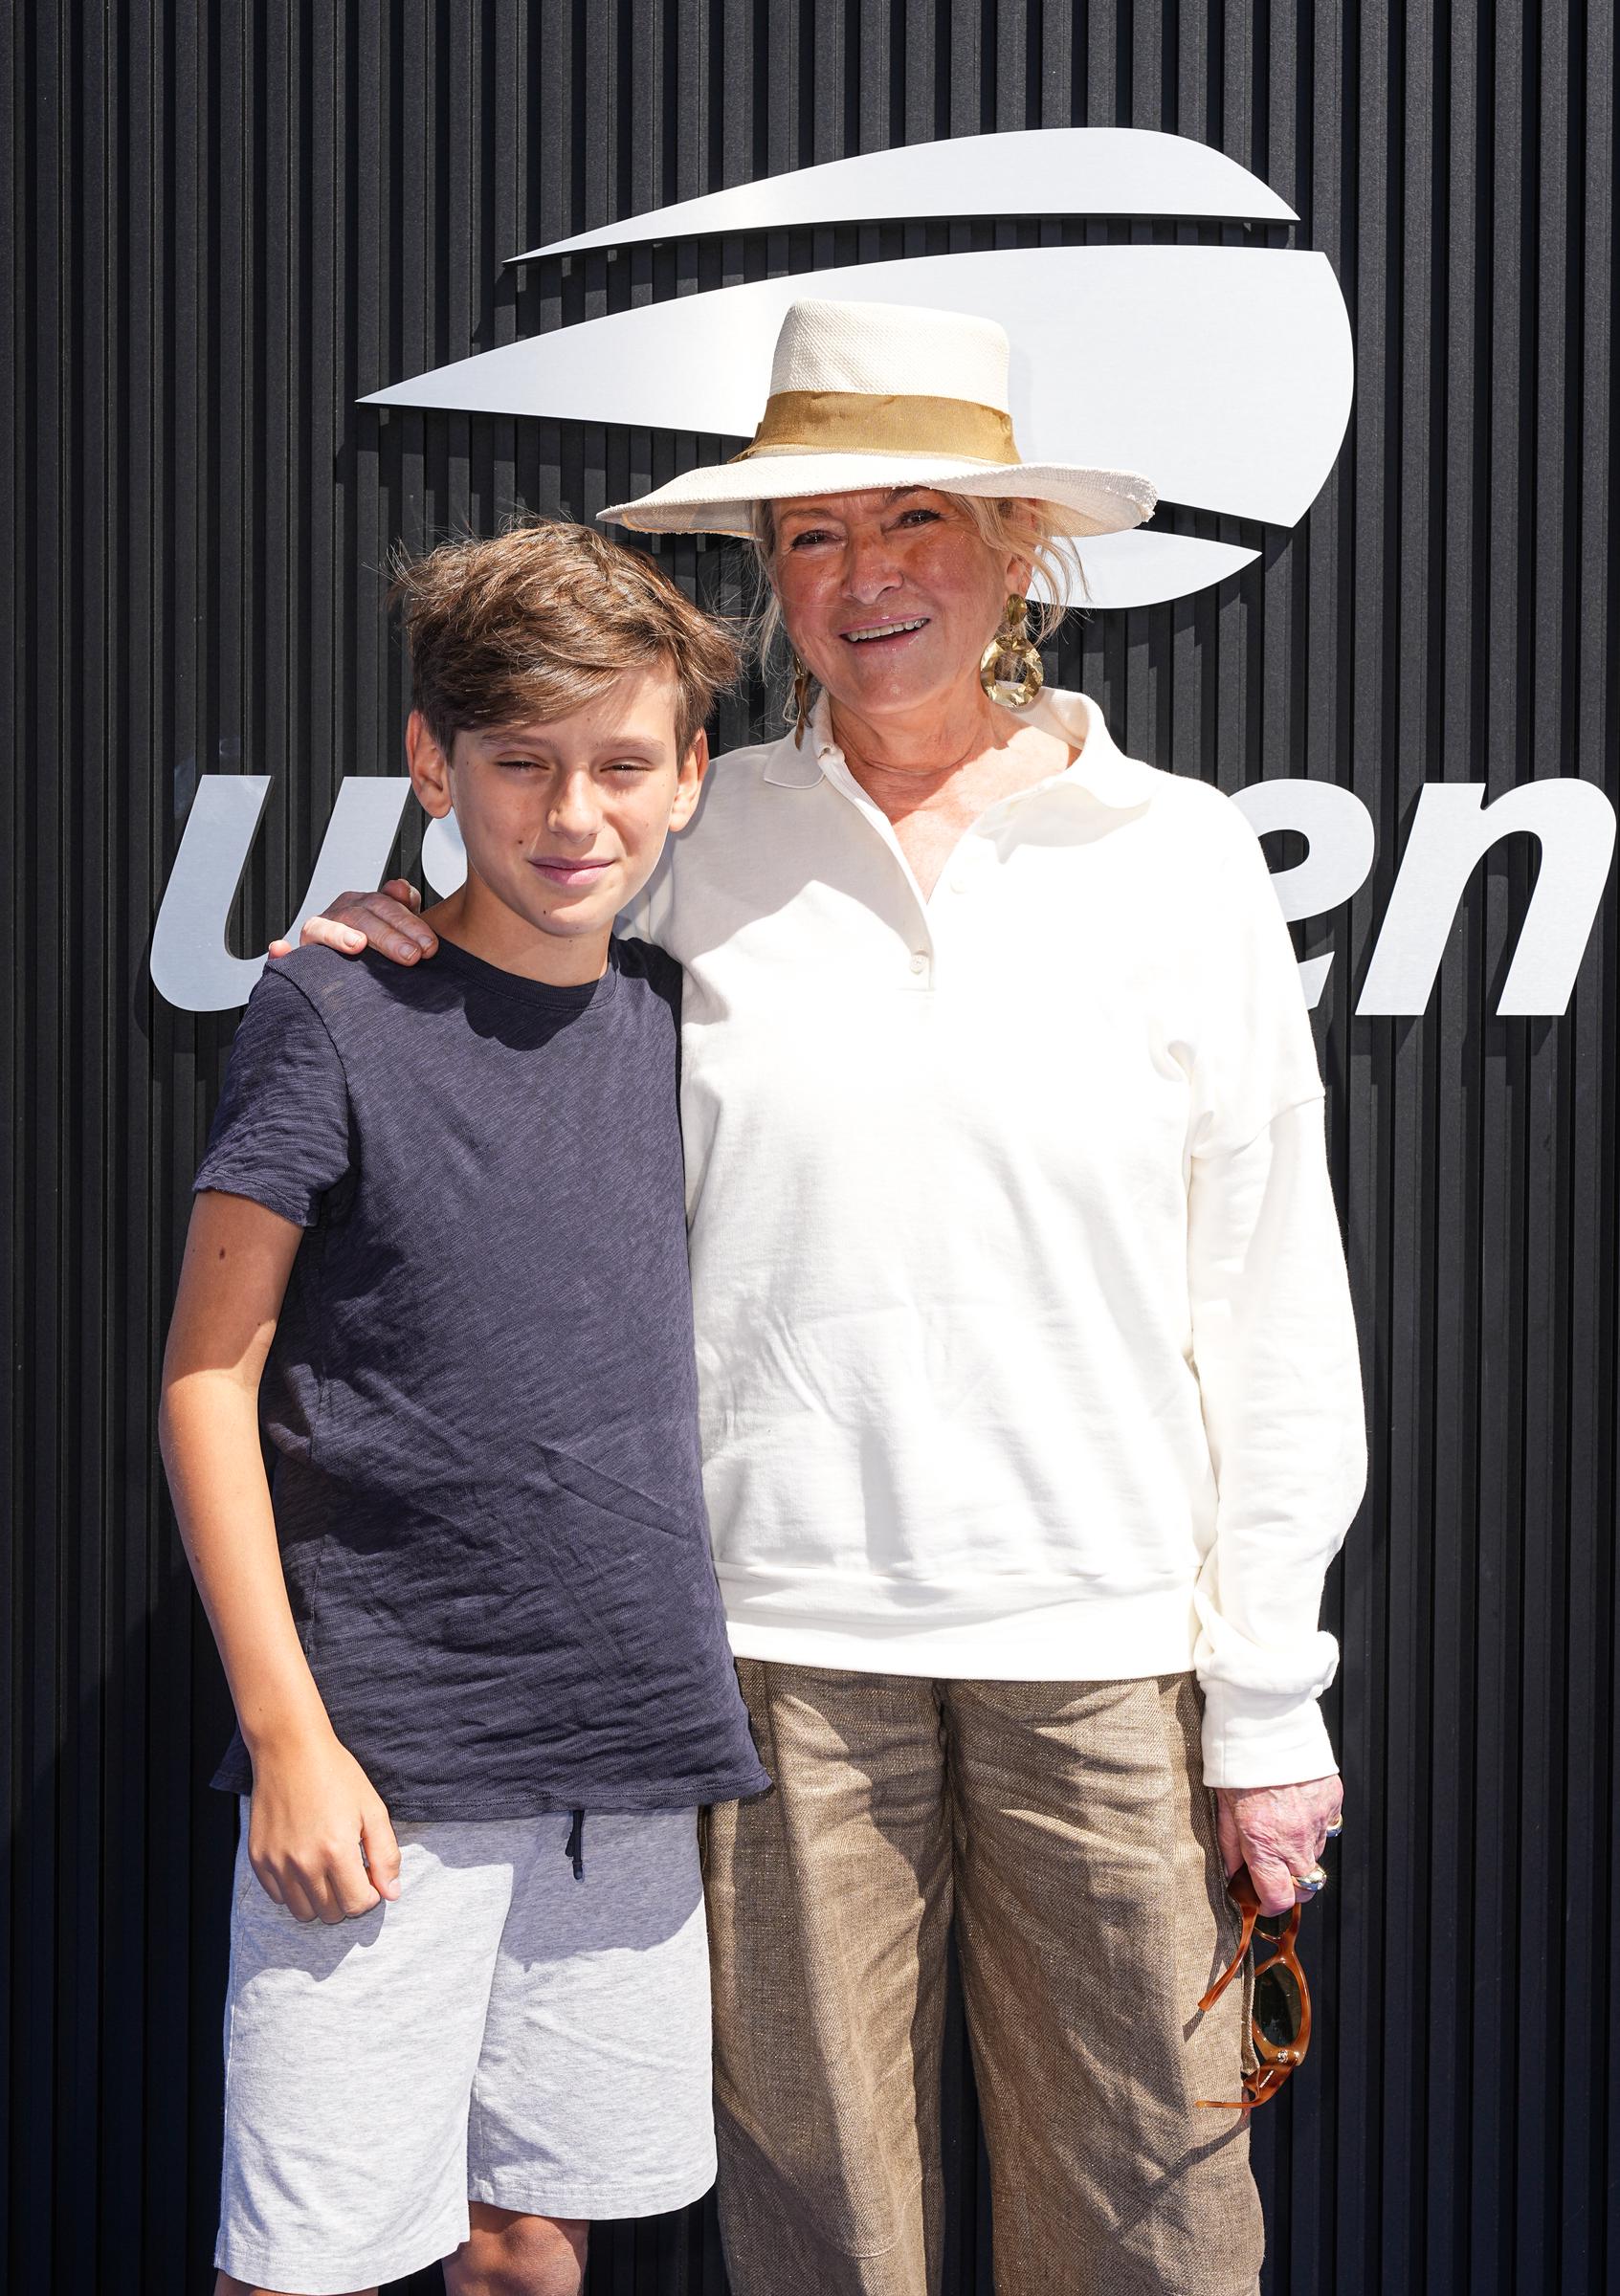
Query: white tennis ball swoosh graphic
1224,373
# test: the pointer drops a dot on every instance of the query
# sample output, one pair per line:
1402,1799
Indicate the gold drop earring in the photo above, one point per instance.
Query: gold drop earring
800,701
1009,669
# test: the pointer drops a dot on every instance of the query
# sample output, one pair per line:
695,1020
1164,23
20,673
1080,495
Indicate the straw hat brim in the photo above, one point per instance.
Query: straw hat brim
718,500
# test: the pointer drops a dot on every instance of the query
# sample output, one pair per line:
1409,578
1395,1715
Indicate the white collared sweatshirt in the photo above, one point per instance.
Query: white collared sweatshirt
1024,1337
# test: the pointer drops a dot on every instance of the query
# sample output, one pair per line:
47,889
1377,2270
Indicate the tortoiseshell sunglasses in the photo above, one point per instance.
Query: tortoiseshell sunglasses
1281,2022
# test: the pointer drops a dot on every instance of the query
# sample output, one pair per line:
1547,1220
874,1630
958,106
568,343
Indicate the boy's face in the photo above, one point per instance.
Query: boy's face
563,823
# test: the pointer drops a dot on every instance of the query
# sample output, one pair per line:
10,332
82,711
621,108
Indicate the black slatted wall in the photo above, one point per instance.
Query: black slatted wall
228,222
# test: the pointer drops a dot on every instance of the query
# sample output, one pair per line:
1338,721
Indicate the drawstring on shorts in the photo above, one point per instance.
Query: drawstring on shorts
573,1849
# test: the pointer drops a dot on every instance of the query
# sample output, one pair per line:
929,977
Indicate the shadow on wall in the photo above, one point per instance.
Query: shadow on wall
120,1864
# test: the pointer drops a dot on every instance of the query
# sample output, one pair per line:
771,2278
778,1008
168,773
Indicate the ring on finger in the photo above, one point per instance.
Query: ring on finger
1311,1882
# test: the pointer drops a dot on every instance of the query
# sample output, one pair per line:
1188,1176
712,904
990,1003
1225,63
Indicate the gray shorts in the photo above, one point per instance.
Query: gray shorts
502,2032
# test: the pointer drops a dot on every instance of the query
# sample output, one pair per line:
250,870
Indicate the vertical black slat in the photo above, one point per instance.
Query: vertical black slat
12,1245
39,1850
842,77
213,71
1323,734
168,203
684,99
1361,275
1604,2106
708,166
133,1176
26,2156
1464,582
1096,56
414,285
971,69
78,1206
1228,759
1190,653
1006,39
462,226
873,74
277,447
1057,69
1285,572
679,96
919,67
972,107
1144,711
1237,80
1409,652
378,516
233,510
776,79
1403,1449
642,164
1589,1876
1281,572
553,190
101,810
600,95
318,408
732,49
429,169
1333,714
1305,2266
504,165
1539,2146
1500,1782
1141,101
1187,59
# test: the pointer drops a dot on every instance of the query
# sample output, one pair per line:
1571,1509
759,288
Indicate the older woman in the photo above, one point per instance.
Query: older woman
1031,1406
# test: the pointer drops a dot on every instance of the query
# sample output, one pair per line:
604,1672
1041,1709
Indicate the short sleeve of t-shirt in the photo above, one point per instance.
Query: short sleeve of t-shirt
280,1133
1254,1054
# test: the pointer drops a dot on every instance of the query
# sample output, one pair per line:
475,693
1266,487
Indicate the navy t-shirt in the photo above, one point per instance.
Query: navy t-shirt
481,1396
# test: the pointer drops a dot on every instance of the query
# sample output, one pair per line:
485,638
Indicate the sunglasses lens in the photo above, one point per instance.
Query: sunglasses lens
1272,1925
1278,2011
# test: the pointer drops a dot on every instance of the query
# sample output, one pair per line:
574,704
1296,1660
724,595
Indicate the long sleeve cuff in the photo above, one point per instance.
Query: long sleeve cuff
1275,1346
1263,1738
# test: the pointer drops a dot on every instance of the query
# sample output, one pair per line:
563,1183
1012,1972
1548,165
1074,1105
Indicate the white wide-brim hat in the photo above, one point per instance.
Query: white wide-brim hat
876,395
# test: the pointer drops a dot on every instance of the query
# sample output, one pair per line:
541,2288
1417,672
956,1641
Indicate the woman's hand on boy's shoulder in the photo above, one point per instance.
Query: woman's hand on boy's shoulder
319,1836
386,921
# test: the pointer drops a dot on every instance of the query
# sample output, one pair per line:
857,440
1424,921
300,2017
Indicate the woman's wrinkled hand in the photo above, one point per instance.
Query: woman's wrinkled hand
385,921
1277,1832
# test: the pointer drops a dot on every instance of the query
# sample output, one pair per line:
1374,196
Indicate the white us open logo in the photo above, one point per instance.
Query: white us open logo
1224,372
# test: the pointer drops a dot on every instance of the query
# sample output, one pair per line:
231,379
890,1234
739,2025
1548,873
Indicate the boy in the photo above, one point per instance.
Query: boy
474,1644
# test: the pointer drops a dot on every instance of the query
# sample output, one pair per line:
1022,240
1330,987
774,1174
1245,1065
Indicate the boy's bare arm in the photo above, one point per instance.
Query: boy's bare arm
313,1807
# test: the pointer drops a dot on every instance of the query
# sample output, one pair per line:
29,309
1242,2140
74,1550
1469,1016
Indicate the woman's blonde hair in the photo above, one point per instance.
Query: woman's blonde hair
1008,525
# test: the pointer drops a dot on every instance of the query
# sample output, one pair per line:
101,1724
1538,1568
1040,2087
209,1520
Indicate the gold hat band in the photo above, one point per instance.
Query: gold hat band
860,422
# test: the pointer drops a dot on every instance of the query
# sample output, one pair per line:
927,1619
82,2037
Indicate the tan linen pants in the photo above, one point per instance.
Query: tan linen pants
1067,1827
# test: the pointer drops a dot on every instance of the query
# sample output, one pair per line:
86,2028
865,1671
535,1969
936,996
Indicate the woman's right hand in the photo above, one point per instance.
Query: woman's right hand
385,921
319,1835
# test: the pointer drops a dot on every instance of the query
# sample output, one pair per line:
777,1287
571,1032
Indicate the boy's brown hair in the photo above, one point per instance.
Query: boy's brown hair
540,619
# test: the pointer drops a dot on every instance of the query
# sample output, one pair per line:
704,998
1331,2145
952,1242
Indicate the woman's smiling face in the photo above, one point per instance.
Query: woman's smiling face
889,596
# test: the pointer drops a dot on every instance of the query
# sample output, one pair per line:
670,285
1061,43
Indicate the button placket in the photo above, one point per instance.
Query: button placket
967,864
